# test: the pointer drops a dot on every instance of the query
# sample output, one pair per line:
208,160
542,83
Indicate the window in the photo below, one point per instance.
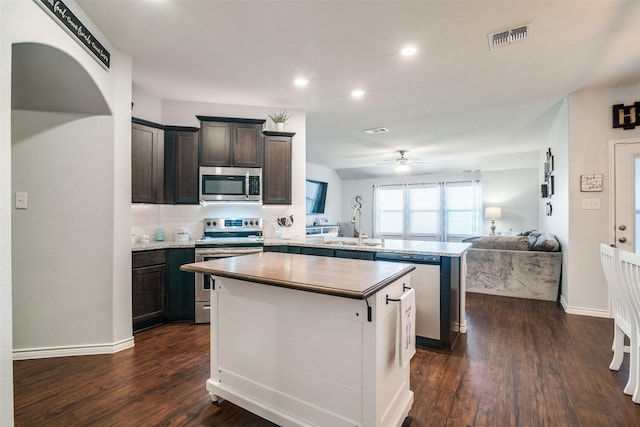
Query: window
461,209
424,210
391,208
439,211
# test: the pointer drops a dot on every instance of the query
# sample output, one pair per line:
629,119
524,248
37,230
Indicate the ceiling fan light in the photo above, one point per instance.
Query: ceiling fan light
402,167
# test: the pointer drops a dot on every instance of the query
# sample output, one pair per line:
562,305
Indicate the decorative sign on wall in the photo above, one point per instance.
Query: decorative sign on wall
357,202
65,17
591,182
626,116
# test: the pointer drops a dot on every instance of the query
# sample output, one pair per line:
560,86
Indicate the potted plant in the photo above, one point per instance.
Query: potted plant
279,119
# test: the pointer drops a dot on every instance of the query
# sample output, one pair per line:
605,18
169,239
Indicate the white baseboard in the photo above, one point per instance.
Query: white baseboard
82,350
583,311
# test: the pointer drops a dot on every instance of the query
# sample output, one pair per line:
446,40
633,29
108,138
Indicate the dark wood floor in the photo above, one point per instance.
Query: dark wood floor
522,363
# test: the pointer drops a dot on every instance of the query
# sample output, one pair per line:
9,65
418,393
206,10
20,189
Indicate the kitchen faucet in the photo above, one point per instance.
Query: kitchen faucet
361,236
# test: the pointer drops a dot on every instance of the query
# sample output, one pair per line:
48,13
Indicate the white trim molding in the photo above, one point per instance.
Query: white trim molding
82,350
583,311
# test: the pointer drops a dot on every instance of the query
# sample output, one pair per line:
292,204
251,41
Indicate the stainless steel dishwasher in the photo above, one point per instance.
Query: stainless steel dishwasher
426,282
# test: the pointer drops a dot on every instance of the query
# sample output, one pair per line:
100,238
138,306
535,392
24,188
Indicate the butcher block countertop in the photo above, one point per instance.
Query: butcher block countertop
348,278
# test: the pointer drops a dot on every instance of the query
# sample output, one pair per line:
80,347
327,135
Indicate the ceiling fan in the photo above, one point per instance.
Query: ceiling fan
402,163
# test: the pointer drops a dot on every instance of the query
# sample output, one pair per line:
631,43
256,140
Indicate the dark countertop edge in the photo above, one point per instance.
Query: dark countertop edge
305,287
389,280
365,248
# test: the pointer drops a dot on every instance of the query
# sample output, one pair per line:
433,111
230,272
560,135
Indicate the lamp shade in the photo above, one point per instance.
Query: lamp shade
493,212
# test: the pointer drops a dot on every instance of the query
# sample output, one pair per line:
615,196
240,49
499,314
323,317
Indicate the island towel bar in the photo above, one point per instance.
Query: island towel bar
404,288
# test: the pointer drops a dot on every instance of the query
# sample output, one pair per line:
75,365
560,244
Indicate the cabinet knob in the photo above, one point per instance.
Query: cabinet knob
622,240
622,227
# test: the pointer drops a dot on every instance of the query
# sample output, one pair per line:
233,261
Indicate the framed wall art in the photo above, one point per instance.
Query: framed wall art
591,183
544,191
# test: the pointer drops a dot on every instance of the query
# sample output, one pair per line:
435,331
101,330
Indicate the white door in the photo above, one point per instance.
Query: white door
627,193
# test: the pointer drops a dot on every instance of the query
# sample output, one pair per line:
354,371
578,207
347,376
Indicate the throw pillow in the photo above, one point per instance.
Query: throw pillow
546,243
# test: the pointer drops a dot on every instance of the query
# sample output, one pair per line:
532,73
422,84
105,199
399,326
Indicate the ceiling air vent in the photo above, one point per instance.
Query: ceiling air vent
506,37
375,130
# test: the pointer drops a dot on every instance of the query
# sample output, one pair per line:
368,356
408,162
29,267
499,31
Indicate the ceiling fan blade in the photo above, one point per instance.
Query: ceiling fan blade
402,160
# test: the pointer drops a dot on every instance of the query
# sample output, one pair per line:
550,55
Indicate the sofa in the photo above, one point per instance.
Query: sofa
528,265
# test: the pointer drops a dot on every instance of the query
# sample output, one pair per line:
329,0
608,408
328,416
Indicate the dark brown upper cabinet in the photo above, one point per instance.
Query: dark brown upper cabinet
277,168
147,162
226,141
181,165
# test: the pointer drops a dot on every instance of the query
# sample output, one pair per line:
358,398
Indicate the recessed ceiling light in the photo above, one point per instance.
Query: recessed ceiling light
408,51
301,81
357,93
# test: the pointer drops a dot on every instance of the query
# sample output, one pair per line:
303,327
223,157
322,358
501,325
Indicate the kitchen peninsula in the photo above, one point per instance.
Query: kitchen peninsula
438,281
309,340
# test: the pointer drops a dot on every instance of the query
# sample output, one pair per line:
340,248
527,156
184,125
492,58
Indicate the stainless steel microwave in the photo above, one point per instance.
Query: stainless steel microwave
230,184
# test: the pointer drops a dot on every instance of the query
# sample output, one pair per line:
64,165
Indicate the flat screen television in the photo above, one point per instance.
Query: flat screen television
316,196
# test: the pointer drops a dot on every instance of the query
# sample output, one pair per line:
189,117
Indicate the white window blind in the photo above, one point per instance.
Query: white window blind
445,211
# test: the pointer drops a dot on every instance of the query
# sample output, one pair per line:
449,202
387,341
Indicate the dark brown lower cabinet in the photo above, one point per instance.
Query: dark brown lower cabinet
148,285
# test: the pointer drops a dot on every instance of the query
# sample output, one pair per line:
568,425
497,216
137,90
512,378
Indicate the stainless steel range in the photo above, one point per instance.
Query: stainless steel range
223,237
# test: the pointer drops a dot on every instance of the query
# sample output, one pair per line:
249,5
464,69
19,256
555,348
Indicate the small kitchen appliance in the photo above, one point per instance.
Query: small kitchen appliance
222,184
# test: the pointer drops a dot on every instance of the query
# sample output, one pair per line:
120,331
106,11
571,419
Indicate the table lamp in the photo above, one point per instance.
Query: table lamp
493,212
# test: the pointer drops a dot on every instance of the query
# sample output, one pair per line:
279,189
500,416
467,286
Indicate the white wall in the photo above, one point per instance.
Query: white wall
64,298
515,191
146,105
333,206
25,21
590,129
558,222
146,218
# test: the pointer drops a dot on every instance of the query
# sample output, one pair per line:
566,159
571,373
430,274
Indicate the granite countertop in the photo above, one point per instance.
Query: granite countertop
418,247
165,244
340,277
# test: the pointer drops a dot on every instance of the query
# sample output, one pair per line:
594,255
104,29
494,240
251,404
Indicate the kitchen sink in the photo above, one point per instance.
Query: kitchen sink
352,241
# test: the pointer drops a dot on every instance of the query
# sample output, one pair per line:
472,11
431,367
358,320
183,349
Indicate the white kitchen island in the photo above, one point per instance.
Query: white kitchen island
307,340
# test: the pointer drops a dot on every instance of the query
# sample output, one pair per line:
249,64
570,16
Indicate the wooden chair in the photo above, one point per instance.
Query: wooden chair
624,321
630,275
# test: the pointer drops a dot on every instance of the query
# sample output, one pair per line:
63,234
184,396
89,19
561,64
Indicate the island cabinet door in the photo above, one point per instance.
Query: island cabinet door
387,395
304,358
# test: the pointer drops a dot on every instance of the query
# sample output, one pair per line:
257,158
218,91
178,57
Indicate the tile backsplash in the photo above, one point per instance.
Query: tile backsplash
147,218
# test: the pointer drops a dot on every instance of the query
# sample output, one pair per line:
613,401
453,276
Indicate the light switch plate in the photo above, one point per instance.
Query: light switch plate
593,204
21,200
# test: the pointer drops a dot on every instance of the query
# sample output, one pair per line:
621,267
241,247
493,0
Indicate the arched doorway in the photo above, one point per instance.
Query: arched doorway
62,135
